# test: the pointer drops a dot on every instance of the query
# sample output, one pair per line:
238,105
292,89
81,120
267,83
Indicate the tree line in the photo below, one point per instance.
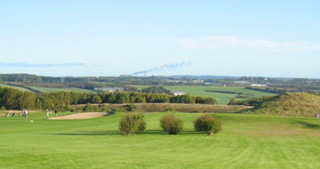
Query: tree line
13,99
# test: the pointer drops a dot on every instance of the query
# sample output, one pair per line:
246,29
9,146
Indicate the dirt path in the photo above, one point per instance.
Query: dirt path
90,115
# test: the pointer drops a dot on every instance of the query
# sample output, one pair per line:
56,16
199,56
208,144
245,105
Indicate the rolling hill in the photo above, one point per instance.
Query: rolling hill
290,104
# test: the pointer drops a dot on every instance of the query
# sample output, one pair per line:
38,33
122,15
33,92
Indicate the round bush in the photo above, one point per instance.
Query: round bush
171,124
132,123
207,124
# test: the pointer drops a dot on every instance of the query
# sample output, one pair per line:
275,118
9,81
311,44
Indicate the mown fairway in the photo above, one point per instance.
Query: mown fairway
246,141
222,98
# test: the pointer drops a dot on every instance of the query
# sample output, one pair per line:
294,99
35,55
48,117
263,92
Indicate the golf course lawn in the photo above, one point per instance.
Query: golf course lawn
245,142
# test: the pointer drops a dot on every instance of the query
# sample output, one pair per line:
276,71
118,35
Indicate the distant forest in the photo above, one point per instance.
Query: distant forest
12,99
273,85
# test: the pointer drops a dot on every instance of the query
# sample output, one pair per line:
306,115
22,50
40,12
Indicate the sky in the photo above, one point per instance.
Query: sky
273,38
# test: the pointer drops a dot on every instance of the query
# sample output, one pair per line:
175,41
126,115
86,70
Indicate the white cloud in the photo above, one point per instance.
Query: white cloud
42,65
234,42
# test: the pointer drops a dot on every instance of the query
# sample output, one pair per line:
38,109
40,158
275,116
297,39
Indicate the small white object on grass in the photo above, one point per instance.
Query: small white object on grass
31,121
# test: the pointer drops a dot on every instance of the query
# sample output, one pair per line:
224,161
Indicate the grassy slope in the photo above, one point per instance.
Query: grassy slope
222,98
246,141
50,90
14,87
294,104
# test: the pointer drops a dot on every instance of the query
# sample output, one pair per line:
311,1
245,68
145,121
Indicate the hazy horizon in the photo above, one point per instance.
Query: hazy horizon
183,75
112,38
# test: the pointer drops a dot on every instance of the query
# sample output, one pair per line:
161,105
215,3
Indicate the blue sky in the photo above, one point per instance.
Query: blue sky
206,37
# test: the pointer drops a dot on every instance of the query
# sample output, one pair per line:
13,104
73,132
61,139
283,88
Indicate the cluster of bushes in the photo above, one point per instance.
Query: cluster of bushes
171,124
13,99
207,124
134,123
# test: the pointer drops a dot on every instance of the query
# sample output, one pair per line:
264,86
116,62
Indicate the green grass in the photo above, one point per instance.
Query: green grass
48,90
14,87
51,90
222,98
245,142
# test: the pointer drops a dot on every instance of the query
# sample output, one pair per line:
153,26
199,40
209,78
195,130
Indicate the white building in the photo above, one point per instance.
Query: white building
179,93
258,85
109,89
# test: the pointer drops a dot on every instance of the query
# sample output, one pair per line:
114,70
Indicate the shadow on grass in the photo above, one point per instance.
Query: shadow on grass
91,133
117,132
308,125
161,132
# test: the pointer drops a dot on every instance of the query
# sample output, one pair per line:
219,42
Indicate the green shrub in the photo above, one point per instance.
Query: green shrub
170,109
132,123
131,107
171,124
3,108
207,124
105,108
89,108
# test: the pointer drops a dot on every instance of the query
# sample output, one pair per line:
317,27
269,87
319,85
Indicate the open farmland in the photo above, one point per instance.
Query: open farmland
246,141
221,95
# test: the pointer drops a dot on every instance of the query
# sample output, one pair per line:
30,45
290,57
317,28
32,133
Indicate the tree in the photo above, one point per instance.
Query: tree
207,124
132,123
156,89
96,99
171,124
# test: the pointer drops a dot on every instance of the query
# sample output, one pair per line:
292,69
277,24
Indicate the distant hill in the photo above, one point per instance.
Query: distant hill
288,104
203,77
